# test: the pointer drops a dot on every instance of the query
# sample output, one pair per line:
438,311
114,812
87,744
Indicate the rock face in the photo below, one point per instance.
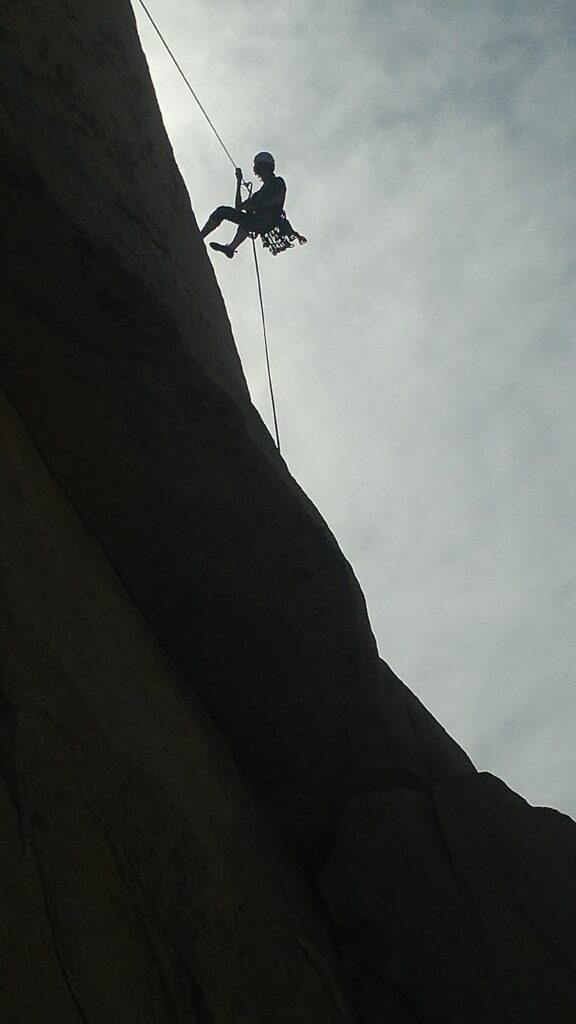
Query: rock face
157,554
137,880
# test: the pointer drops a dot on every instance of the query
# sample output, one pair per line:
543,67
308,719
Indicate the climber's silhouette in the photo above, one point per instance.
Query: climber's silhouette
260,214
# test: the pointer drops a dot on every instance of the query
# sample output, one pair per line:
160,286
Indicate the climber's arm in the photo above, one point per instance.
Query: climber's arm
238,196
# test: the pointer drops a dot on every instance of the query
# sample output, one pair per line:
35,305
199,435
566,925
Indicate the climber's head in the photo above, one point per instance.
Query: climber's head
264,165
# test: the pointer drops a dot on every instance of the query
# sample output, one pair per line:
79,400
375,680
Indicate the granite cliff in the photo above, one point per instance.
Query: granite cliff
218,804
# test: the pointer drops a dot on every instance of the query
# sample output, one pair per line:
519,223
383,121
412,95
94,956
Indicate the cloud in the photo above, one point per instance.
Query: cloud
422,343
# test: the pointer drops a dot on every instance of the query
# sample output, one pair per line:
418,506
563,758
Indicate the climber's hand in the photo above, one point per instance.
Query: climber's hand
238,173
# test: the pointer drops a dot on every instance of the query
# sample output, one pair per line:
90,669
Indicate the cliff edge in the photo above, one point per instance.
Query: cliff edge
220,804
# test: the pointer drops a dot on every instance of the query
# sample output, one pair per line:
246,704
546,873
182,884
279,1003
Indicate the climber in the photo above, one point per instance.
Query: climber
260,214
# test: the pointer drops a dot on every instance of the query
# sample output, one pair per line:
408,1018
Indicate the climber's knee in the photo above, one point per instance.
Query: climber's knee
222,213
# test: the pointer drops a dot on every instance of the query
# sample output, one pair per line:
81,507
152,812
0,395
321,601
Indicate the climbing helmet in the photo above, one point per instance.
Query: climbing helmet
264,158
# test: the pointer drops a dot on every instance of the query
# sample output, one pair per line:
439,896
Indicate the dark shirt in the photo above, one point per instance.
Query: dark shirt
275,187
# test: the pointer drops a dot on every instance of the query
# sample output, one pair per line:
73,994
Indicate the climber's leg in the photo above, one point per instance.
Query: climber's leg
239,237
209,227
230,249
220,214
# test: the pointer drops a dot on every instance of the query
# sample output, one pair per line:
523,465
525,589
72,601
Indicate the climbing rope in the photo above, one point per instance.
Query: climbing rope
161,37
234,164
273,403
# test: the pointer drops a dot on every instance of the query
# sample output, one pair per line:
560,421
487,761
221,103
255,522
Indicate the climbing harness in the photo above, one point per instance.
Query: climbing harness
278,239
281,237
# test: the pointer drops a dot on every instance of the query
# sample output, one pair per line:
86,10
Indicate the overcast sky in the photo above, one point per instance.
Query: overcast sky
423,342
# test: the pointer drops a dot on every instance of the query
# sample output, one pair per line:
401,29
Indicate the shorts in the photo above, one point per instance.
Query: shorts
257,222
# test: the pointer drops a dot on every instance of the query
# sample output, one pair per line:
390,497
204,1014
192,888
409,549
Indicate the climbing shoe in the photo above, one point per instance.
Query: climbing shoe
222,248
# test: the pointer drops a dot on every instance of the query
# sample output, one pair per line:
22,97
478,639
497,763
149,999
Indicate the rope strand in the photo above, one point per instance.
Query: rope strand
161,37
272,401
249,187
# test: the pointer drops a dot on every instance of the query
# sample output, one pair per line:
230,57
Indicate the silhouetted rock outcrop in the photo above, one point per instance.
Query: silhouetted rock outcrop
157,552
